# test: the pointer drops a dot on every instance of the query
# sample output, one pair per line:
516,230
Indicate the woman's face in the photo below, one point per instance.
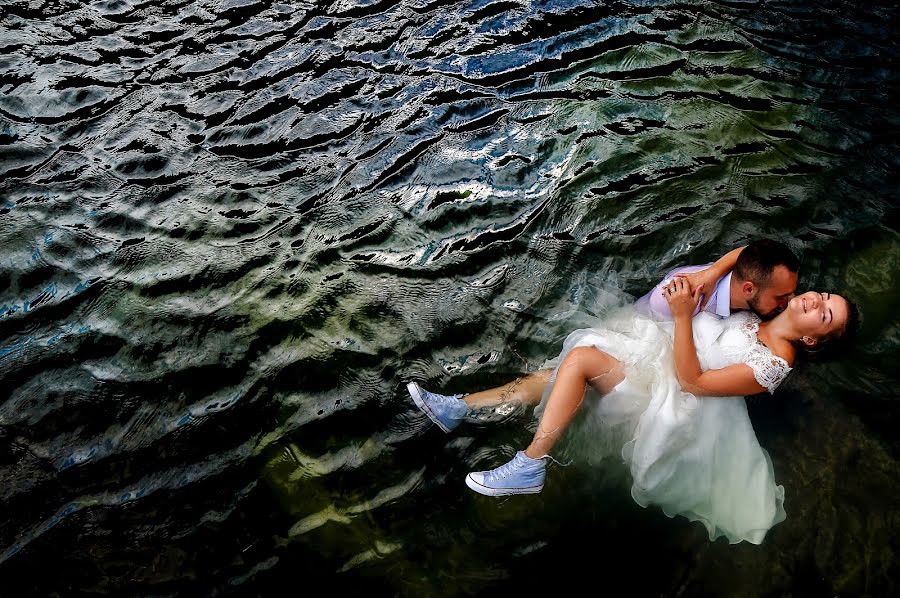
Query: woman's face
818,315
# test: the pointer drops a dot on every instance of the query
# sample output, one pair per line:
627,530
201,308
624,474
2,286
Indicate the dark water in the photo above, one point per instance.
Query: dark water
231,230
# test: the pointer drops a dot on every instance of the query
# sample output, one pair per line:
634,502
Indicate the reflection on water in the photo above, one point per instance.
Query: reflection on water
231,230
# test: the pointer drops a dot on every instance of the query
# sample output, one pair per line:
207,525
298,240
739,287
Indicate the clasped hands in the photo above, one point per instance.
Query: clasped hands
682,299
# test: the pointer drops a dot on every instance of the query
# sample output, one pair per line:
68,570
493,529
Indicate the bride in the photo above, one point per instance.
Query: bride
673,392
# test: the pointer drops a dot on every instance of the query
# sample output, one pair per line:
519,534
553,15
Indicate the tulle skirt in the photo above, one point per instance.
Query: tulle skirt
697,457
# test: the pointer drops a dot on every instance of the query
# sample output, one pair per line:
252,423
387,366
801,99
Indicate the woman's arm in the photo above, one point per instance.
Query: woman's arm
733,380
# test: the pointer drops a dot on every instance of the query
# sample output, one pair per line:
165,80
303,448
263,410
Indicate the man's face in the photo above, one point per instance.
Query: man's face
771,300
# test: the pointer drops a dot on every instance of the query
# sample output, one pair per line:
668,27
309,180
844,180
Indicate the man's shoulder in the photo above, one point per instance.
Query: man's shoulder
687,269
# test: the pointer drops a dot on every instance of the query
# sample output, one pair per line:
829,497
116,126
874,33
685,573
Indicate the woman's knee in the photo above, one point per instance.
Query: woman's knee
597,368
587,361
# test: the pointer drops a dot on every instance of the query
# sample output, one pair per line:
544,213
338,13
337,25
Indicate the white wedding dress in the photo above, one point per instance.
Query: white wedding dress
691,456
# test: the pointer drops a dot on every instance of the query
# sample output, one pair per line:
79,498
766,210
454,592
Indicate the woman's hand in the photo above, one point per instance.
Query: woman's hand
706,278
709,277
682,300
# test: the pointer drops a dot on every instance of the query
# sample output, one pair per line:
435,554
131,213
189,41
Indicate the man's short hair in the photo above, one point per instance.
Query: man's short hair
759,259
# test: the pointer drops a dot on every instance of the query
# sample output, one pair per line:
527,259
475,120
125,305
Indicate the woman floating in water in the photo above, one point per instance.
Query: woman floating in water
673,393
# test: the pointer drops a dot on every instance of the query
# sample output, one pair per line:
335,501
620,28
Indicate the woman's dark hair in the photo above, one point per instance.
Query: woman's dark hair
829,347
760,258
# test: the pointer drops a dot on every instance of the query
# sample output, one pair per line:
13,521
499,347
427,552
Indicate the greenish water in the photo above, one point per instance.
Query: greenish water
232,231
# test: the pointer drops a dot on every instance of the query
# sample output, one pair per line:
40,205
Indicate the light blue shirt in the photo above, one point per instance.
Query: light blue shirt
655,304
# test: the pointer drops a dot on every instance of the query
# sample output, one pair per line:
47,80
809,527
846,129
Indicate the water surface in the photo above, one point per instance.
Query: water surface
232,230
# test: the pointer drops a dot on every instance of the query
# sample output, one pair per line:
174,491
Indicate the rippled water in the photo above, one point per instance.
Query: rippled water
231,230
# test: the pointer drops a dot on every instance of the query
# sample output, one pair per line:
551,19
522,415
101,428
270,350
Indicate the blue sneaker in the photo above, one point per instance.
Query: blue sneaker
522,475
445,411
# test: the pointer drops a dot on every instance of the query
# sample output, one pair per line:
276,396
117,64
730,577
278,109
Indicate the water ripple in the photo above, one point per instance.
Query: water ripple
233,229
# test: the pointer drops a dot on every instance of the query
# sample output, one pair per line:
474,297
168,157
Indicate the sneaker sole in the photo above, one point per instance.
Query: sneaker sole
413,389
471,483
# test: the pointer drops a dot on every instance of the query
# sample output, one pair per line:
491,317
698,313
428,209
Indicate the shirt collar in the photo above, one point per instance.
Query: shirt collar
723,296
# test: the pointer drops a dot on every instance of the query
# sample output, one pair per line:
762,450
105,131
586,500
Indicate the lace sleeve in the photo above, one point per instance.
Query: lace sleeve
768,369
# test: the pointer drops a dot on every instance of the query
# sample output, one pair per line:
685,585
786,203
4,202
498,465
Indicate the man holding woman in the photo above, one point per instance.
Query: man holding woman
669,375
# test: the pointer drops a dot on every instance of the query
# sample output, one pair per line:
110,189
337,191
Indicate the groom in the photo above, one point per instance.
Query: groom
761,277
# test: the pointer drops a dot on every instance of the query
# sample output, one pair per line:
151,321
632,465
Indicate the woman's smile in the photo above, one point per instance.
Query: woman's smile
807,302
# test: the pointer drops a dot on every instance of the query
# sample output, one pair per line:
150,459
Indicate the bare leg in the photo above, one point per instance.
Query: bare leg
582,366
527,389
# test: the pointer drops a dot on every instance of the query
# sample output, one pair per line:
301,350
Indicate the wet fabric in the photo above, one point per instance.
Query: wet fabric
692,456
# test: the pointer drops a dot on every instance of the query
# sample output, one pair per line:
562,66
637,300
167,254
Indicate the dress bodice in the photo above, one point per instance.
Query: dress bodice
739,343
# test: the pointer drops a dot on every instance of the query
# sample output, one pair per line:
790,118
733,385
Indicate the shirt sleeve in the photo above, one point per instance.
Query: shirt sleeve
768,369
655,304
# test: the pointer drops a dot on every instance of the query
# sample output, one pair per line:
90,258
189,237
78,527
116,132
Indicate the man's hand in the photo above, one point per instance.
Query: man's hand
681,299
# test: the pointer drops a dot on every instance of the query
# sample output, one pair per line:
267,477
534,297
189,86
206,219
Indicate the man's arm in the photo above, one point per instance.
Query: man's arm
711,276
708,275
656,301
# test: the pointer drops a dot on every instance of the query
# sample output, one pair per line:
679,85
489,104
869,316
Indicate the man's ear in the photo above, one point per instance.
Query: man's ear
748,289
809,341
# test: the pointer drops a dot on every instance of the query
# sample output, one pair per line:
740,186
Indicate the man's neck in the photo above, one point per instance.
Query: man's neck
735,296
